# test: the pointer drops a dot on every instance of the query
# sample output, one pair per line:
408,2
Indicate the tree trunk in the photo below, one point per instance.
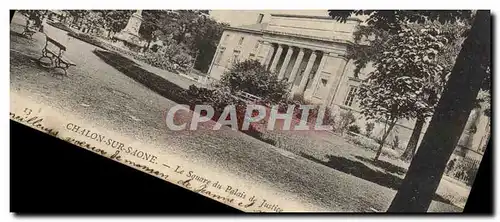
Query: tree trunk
447,124
384,138
149,43
412,143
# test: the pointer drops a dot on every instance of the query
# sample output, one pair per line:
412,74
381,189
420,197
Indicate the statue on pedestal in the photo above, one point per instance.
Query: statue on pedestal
129,36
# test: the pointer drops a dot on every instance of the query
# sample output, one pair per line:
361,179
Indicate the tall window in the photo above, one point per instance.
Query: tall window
256,45
225,39
219,55
259,19
241,40
351,94
236,55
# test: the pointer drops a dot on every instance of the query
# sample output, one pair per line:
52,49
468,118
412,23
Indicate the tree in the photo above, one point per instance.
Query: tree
192,28
370,44
77,15
115,20
369,129
34,15
469,74
155,20
346,119
94,19
205,41
404,70
455,34
251,77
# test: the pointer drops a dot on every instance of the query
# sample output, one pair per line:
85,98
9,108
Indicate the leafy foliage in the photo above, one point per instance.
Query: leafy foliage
218,98
251,77
346,119
205,41
354,129
115,20
77,15
172,57
471,68
192,30
380,24
35,15
407,78
393,20
397,88
369,129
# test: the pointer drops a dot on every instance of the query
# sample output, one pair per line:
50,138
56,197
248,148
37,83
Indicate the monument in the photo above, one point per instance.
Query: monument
128,38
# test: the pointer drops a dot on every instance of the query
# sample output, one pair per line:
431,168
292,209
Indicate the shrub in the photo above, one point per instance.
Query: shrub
218,98
199,95
61,26
346,119
35,15
251,77
297,100
87,38
172,57
369,129
462,169
354,128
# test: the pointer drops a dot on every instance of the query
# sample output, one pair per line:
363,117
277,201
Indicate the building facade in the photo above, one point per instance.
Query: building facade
309,52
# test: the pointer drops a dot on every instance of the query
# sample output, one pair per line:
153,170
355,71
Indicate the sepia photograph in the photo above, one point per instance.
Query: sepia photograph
268,110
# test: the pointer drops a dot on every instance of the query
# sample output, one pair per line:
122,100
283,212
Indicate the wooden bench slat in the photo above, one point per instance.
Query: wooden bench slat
56,43
67,61
52,52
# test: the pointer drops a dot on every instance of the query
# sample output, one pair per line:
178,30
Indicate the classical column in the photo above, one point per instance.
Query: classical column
295,68
317,75
269,55
284,66
305,76
276,58
263,51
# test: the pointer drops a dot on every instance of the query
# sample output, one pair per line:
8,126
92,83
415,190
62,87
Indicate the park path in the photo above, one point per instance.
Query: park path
102,95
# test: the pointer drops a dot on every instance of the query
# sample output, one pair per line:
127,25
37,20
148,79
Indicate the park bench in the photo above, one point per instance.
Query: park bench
53,50
28,30
247,97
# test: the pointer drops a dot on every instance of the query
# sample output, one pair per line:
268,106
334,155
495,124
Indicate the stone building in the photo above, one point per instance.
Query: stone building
306,49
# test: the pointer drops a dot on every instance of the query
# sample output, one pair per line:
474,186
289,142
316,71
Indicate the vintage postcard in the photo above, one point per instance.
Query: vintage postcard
267,110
